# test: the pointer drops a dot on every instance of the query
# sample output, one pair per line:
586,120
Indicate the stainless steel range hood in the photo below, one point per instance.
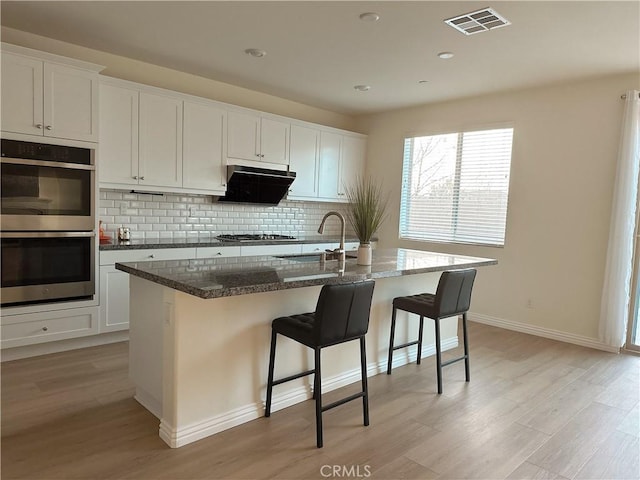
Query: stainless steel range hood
256,185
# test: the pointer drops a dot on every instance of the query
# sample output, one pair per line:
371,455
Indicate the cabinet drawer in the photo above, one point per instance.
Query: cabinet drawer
352,246
269,250
109,257
321,247
217,252
49,326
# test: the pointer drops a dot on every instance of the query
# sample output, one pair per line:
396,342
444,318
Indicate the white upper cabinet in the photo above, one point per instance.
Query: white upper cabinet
274,141
352,162
160,142
203,166
252,137
303,156
118,148
48,98
22,91
329,165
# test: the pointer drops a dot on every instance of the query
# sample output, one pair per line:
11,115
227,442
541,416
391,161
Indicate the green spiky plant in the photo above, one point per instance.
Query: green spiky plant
367,207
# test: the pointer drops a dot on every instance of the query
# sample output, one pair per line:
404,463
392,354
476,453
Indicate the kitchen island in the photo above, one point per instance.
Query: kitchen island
200,331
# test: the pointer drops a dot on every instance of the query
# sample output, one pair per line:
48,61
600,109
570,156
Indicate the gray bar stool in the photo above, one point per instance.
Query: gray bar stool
342,315
452,297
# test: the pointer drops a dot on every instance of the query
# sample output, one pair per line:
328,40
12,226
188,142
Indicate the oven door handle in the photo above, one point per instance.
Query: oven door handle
46,234
46,163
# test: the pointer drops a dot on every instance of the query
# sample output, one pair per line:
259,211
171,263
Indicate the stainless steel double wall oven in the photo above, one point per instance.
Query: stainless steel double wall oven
47,222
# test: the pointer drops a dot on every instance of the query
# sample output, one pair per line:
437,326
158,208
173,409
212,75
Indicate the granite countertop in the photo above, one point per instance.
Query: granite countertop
140,244
222,277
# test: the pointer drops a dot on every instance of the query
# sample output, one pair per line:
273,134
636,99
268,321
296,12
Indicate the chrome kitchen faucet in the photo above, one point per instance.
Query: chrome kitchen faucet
339,252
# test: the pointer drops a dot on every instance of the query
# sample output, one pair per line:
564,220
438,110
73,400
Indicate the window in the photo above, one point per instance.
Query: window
455,187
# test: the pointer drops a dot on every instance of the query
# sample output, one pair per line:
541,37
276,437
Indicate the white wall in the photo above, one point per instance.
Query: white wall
562,175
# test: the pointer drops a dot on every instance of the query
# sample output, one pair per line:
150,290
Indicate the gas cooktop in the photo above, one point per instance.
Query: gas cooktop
250,237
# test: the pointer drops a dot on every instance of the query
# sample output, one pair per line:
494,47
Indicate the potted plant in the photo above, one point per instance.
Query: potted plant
365,214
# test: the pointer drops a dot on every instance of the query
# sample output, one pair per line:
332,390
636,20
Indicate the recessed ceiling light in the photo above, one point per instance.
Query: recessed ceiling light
362,88
369,17
445,55
255,52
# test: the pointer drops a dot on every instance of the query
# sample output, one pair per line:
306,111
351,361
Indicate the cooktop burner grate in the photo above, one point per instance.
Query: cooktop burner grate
248,237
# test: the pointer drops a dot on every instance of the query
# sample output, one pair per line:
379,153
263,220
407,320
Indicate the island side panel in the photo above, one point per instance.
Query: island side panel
146,344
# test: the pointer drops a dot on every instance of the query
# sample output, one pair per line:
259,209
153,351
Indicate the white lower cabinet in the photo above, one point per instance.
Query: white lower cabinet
217,252
321,247
285,249
114,284
40,327
114,299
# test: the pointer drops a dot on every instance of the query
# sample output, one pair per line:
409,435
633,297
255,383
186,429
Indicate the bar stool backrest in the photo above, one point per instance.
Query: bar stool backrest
342,312
453,295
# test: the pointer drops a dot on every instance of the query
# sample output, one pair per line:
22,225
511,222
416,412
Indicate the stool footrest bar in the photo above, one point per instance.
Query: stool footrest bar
397,347
344,400
293,377
449,362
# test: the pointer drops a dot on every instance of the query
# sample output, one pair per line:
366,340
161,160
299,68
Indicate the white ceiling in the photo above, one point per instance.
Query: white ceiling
317,51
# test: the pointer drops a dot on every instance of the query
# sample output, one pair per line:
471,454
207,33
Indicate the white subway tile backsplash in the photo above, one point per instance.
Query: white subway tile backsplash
182,216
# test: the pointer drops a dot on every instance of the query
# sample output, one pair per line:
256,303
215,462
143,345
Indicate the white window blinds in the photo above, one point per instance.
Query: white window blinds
455,187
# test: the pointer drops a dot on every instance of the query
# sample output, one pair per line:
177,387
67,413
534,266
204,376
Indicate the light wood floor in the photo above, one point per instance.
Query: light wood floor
534,409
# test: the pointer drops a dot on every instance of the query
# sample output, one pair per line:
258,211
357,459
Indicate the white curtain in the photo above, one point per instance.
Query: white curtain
616,293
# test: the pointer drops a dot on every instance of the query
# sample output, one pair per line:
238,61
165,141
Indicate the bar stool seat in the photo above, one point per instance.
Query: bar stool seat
341,315
452,297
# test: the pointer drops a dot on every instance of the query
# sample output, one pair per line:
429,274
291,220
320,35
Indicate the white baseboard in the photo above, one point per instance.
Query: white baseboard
542,332
16,353
178,437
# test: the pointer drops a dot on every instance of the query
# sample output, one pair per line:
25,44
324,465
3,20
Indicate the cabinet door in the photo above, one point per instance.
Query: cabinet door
202,165
118,149
114,299
160,142
303,156
352,162
22,94
243,132
274,141
329,171
70,103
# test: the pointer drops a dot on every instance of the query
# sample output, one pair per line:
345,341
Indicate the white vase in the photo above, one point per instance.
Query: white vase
364,254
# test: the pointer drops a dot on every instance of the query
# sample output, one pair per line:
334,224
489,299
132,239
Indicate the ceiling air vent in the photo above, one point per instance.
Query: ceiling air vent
479,21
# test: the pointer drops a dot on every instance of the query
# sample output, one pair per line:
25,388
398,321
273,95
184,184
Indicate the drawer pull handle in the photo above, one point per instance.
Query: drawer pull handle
39,126
219,253
44,329
48,127
151,256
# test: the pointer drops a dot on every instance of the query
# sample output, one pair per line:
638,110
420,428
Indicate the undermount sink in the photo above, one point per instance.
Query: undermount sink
314,257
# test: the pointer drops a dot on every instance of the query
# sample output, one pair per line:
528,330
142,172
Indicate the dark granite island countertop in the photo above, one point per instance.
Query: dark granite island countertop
223,277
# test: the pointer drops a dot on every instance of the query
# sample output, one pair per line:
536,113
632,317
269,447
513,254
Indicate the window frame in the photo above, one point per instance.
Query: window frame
457,131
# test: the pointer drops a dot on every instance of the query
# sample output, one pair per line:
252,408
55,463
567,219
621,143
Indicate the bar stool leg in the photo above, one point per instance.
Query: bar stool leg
438,356
365,387
272,359
466,347
420,340
317,389
393,330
